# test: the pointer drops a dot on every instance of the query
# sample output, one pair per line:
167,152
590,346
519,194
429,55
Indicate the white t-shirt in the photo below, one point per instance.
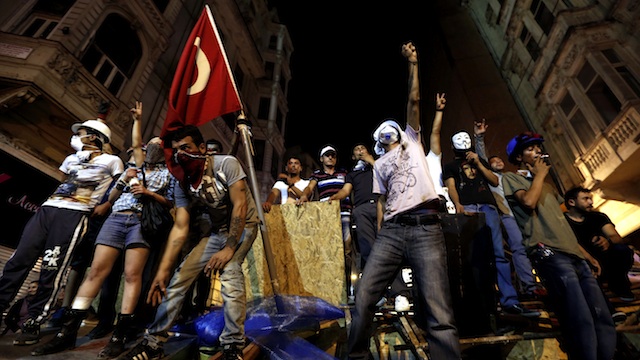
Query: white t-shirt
435,169
402,176
284,189
86,182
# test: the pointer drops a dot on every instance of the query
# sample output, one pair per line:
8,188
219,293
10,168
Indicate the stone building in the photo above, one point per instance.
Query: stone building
573,70
60,59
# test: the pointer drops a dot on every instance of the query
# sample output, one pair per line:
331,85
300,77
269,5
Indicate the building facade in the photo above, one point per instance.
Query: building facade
573,68
61,59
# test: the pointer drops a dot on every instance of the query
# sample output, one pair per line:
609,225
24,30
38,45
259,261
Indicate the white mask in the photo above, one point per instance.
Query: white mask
461,141
84,155
76,142
388,135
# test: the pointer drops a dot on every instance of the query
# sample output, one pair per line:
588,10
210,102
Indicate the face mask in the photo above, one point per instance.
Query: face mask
155,154
461,141
84,155
388,135
76,142
191,163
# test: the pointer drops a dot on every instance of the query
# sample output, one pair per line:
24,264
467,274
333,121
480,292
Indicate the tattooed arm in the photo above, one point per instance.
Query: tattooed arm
238,193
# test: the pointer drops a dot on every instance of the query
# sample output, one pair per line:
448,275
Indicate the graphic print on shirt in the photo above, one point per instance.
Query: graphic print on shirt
82,181
401,176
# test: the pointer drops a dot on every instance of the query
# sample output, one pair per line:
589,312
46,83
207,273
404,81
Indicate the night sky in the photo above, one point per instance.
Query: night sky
348,73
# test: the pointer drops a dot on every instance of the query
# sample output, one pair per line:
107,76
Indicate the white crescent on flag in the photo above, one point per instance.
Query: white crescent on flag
204,70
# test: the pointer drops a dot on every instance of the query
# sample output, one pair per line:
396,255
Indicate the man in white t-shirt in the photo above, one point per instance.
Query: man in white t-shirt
287,191
409,230
58,226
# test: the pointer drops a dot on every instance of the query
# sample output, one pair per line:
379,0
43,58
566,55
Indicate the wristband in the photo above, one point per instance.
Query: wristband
120,185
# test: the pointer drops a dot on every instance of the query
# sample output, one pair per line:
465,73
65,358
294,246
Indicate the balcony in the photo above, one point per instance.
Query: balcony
47,69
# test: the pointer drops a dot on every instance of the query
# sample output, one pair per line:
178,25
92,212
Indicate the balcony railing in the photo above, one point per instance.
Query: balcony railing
619,143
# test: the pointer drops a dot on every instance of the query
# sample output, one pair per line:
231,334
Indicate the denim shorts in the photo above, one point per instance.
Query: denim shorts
122,231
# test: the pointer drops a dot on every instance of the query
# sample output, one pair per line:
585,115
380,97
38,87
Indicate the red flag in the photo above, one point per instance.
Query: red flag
203,87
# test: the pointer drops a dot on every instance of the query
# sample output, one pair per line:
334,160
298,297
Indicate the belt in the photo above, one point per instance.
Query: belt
126,213
412,220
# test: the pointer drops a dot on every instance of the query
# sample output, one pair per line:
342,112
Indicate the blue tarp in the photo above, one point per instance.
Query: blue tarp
272,324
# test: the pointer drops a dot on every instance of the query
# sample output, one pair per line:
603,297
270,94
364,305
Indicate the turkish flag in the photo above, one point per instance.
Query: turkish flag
203,87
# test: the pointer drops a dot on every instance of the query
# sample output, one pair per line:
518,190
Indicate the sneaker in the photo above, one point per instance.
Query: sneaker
627,297
618,317
60,342
518,309
402,303
231,352
114,347
143,351
30,333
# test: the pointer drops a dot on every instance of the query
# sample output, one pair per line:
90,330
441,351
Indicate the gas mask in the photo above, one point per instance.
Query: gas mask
76,142
388,135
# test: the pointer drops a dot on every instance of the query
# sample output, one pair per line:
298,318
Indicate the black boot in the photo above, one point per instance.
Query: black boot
115,346
65,338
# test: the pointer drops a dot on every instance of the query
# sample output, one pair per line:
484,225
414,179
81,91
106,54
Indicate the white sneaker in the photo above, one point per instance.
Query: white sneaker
402,303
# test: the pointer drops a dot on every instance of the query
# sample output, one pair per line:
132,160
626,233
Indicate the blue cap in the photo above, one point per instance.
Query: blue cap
518,143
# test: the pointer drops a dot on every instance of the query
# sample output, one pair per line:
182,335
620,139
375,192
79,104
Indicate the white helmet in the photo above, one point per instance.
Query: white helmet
97,125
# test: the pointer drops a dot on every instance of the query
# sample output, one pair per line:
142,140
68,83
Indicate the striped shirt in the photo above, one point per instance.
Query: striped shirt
329,184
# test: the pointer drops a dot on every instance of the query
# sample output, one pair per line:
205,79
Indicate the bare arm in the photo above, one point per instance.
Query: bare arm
238,195
434,139
612,234
173,249
529,198
413,104
486,172
136,134
342,193
307,192
271,198
382,200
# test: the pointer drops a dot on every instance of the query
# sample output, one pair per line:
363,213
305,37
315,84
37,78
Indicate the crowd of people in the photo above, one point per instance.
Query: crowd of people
392,202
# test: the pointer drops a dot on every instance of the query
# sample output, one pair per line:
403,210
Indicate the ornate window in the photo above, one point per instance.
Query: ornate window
113,53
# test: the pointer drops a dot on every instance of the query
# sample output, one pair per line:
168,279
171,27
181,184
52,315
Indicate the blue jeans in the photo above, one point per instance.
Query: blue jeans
508,294
521,262
423,247
232,287
583,313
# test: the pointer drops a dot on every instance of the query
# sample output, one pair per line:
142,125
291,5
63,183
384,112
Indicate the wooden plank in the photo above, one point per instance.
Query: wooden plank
418,348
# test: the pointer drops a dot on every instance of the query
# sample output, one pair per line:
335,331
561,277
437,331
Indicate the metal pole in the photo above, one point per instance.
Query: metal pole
243,126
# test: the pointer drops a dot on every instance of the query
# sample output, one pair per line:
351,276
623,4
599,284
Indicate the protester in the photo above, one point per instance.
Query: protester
587,329
409,230
219,183
55,229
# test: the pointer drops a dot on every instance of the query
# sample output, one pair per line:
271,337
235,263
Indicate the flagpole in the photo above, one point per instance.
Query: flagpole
244,129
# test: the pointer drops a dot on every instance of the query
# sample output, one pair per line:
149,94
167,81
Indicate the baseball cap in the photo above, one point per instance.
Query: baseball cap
519,142
96,125
327,149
